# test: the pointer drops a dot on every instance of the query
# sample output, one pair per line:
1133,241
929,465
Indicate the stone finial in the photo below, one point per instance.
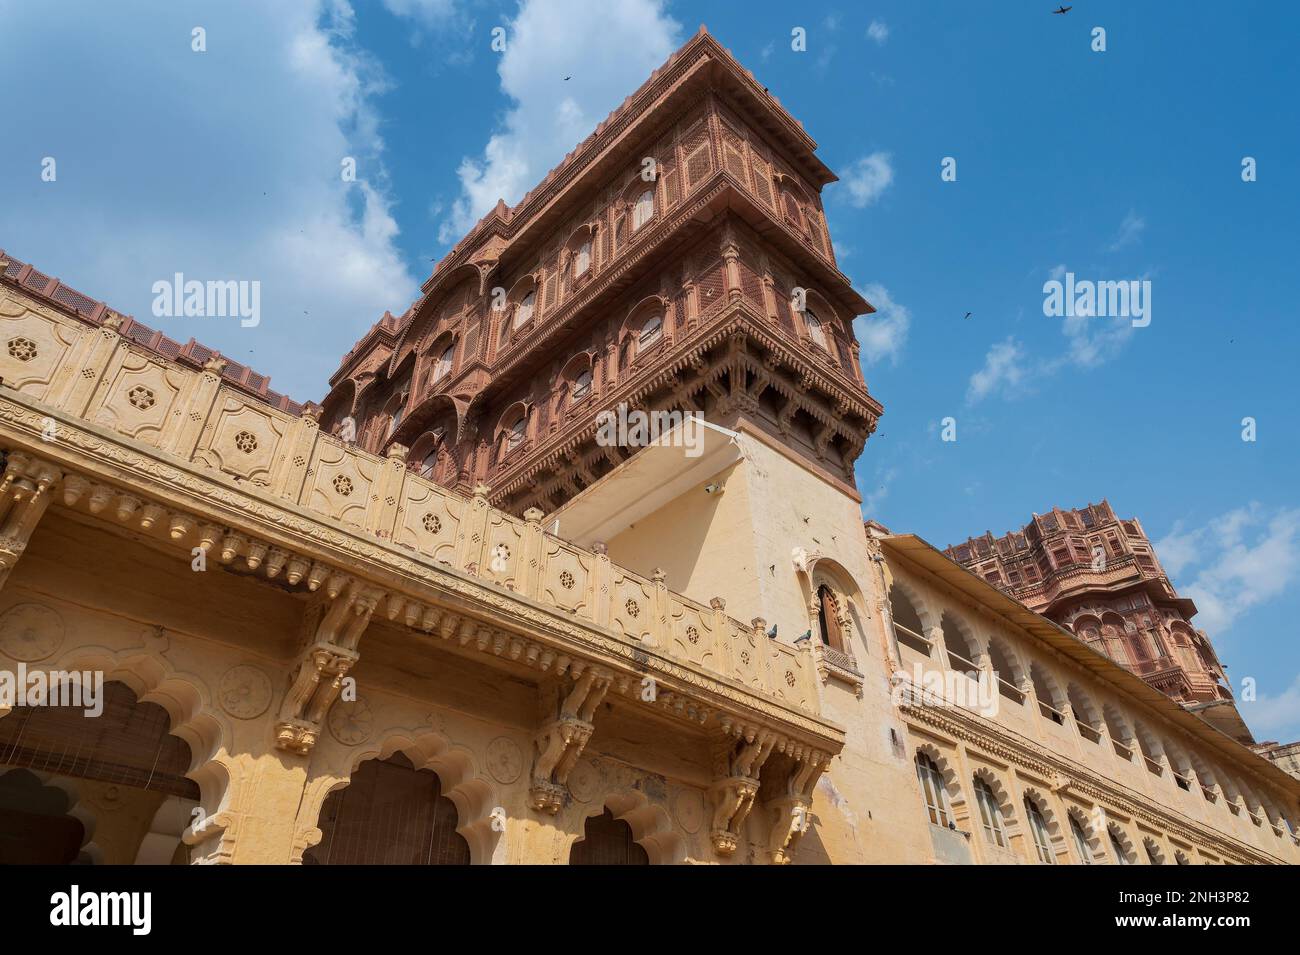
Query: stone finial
482,490
600,548
215,364
658,576
718,604
534,515
397,452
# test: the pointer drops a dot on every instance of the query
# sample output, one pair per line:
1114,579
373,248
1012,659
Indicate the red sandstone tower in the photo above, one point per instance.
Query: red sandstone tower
709,285
1099,577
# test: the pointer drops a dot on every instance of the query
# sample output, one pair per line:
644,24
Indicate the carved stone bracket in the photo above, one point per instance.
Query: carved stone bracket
322,667
24,496
561,741
744,751
791,811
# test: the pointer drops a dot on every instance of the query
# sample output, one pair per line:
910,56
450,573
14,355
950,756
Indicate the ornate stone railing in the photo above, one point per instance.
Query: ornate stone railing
80,370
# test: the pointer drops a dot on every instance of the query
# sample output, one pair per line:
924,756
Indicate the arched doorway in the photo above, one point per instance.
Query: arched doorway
607,841
389,814
126,754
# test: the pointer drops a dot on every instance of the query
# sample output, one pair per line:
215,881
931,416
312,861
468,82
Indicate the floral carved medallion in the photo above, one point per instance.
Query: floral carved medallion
30,632
505,761
244,692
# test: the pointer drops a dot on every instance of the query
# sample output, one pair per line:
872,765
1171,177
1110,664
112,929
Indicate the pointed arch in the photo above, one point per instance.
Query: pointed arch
650,825
1045,836
191,716
1121,733
461,781
1120,845
1087,840
1010,819
943,795
1048,692
1155,854
964,650
1007,668
1086,715
910,616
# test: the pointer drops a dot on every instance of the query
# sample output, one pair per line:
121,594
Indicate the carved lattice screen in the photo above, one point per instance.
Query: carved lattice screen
390,814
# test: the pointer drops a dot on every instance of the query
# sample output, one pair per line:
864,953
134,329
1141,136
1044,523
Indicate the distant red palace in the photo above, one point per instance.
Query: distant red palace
662,271
1099,576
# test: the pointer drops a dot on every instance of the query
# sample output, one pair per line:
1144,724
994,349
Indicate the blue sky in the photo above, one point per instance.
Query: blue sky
1123,164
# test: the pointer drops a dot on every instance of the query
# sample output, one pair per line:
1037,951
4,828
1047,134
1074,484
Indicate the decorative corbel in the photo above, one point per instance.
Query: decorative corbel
561,741
323,665
742,755
24,496
792,811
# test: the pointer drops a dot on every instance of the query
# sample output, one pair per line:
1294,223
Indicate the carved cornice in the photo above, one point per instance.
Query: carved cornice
960,723
503,623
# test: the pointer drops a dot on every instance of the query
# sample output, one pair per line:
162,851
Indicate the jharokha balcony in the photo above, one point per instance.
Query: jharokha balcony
115,431
709,285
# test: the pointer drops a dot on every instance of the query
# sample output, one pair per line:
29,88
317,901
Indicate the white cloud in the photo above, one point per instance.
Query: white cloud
1276,716
878,31
866,178
1130,230
1003,370
606,49
1089,341
224,164
1179,549
1239,560
884,333
1093,340
871,503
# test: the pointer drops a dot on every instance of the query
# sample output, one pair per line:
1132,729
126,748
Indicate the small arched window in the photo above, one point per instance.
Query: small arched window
443,366
581,385
524,310
582,259
515,433
429,464
828,619
1081,841
990,813
815,329
933,790
644,209
1117,847
1038,828
651,332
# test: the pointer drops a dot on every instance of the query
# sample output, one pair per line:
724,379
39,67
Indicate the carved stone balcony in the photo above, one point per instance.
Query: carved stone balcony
181,456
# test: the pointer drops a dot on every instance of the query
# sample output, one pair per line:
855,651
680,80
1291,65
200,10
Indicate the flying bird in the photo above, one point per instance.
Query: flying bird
567,78
968,314
1063,9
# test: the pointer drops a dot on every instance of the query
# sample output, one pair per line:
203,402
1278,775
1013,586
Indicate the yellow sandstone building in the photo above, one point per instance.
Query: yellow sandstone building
437,619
